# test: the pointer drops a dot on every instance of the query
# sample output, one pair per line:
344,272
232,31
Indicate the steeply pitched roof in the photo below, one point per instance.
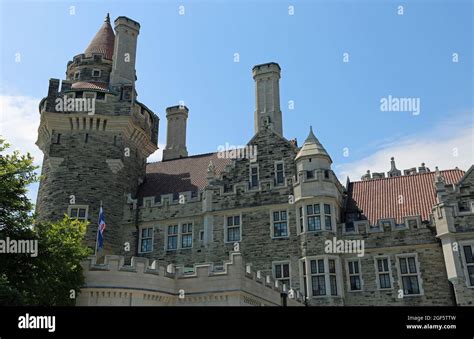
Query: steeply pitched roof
180,175
312,147
103,41
397,197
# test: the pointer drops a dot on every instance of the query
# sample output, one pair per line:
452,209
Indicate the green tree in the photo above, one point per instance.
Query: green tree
48,278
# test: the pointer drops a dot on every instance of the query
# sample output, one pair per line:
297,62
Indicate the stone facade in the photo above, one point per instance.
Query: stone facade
454,220
274,210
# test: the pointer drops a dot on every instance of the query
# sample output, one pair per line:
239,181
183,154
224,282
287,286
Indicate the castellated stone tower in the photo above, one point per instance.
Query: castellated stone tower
267,97
95,135
176,133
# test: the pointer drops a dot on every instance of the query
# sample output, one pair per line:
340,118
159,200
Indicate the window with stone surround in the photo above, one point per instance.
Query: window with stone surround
96,73
187,235
279,224
279,173
384,273
323,276
77,75
468,261
281,272
412,223
254,176
146,240
313,213
409,274
309,175
78,212
233,229
354,275
172,237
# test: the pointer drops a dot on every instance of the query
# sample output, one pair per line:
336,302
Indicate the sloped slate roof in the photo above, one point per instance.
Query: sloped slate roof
379,198
180,175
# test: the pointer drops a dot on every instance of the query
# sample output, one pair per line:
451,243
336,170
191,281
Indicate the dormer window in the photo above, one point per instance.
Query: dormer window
96,73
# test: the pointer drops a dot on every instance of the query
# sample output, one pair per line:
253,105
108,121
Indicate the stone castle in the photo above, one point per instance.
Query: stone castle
226,228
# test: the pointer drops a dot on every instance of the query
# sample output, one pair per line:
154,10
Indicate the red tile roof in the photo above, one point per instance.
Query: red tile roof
180,175
100,86
103,41
379,198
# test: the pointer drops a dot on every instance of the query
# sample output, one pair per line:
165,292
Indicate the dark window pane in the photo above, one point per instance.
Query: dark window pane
277,271
410,285
286,270
351,268
309,209
321,266
276,216
470,271
316,209
283,215
332,266
356,267
327,209
327,221
73,213
468,254
332,279
355,283
230,221
319,285
403,266
411,265
314,267
384,280
82,212
237,220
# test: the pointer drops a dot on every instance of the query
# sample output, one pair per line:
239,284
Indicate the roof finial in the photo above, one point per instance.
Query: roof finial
107,18
394,172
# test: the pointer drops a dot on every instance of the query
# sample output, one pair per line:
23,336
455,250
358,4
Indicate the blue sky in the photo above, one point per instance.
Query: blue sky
191,58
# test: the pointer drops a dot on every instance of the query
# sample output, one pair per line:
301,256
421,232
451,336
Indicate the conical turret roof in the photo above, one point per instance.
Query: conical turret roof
103,41
312,147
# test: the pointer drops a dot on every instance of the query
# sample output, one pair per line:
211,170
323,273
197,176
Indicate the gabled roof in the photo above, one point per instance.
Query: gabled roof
103,41
312,147
180,175
397,197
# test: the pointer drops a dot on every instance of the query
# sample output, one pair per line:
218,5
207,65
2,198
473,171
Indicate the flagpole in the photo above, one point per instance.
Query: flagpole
98,230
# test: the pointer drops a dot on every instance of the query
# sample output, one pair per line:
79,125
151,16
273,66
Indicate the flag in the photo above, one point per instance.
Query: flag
100,235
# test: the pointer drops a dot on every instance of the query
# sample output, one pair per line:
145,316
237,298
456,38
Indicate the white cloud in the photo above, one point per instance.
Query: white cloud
19,122
449,145
158,155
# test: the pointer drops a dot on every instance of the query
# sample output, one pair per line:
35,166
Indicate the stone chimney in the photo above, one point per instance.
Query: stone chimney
176,133
267,97
125,51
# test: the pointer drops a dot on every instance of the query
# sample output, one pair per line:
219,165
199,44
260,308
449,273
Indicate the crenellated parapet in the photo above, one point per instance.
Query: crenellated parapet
145,283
